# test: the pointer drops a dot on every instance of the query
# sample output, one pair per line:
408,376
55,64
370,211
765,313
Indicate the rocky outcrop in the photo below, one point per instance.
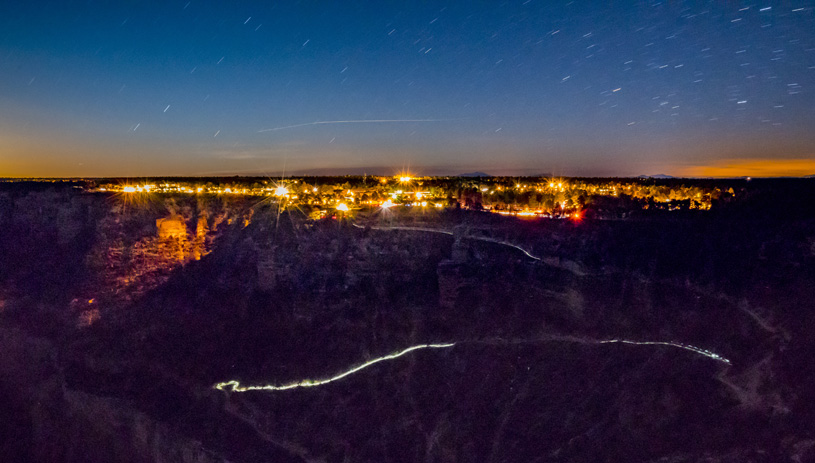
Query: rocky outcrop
43,420
136,251
455,275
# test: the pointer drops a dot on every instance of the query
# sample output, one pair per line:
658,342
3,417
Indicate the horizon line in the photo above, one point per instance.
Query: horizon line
256,175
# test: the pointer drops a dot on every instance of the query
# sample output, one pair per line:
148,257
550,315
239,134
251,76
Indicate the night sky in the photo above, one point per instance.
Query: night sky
524,87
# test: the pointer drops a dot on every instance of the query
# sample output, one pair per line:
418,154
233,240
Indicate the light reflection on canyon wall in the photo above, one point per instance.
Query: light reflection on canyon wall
137,249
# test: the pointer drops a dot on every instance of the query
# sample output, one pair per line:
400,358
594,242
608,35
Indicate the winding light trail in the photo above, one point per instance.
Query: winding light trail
359,121
695,349
688,347
445,232
490,240
234,386
423,229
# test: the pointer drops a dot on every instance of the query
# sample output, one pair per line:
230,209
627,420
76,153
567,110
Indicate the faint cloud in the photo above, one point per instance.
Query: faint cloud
238,153
241,154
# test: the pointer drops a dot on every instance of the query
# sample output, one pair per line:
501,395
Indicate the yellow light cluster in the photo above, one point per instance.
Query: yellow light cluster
138,188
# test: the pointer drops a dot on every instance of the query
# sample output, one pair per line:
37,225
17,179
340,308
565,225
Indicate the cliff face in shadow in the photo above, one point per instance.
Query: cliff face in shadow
47,421
118,320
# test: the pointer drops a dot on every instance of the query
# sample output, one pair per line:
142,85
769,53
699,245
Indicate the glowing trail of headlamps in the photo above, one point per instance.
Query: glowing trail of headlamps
490,240
445,232
234,386
695,349
688,347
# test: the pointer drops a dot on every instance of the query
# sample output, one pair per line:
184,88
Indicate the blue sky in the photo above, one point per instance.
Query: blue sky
524,87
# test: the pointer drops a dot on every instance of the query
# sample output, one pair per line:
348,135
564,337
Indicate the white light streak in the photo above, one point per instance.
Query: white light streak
695,349
236,387
490,240
430,230
583,340
359,121
445,232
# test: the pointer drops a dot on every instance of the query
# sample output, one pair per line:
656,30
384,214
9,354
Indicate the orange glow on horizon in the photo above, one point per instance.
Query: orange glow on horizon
753,168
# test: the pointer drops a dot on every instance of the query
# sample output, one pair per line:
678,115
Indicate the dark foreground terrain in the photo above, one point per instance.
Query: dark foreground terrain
117,319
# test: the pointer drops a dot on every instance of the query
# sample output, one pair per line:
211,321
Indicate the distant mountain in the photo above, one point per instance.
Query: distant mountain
475,174
656,176
809,176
